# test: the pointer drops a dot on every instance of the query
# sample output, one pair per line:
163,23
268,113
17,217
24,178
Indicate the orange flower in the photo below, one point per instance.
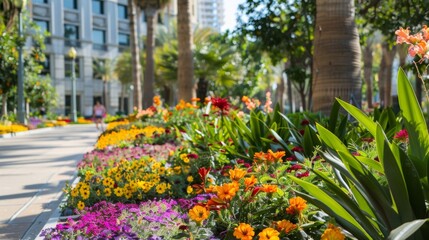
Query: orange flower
269,234
268,188
332,233
250,181
227,191
198,213
244,232
296,205
156,101
236,174
286,226
276,156
259,157
402,35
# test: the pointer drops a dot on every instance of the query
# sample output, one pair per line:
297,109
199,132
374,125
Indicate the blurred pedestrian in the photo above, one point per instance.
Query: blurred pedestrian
98,115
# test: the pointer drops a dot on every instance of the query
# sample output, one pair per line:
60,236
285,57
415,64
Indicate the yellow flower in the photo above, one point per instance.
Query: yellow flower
296,205
286,226
74,192
80,205
189,189
84,194
108,192
128,194
236,174
244,232
269,234
160,189
118,191
332,233
98,193
190,179
198,213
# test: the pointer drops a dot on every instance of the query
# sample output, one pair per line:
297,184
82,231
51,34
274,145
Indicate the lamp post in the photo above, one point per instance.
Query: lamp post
72,55
131,99
20,87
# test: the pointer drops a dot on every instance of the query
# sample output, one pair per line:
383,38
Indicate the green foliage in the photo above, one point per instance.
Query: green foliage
384,201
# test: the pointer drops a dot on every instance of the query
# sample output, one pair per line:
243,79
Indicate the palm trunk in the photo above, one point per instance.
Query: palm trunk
367,72
149,73
135,55
4,105
382,75
121,101
202,88
388,84
337,55
185,61
105,98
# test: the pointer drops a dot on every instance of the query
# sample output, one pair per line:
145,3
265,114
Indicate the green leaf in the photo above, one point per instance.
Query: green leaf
327,203
359,115
395,178
330,139
334,116
308,143
406,229
371,163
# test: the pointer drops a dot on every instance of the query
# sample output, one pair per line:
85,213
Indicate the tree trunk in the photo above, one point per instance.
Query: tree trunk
337,55
121,101
149,73
388,84
167,93
280,93
202,88
185,61
4,105
289,88
367,71
135,55
382,75
105,97
303,98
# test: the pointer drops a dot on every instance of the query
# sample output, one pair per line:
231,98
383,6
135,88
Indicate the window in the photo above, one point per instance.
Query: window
43,24
124,39
97,6
68,67
40,1
70,4
122,11
98,39
68,104
71,34
46,70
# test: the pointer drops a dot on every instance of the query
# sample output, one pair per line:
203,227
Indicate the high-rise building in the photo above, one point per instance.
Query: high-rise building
97,29
211,14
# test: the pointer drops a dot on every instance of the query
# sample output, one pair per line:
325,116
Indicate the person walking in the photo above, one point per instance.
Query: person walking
98,114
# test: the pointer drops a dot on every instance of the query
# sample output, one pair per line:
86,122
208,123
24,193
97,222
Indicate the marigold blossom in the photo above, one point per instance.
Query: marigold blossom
332,233
269,234
198,213
236,174
286,226
227,191
244,232
296,205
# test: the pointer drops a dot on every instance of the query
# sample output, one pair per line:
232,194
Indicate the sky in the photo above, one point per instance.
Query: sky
230,7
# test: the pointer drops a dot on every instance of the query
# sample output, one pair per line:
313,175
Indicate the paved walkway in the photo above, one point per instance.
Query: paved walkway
34,168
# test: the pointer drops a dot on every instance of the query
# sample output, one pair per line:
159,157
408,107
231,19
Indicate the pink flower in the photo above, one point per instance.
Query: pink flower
221,103
402,35
401,136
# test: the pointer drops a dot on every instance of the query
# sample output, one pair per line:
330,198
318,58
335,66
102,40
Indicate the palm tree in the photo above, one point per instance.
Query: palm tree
337,54
103,69
151,9
136,68
185,65
9,10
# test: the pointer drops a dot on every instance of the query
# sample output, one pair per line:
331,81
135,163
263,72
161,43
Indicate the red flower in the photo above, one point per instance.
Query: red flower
221,103
301,175
192,155
305,122
401,136
203,172
291,158
368,140
297,149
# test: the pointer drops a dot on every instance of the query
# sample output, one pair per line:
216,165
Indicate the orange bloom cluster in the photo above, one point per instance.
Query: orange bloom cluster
157,101
419,42
250,103
236,174
269,157
227,191
285,226
244,232
199,213
332,233
182,105
296,205
269,234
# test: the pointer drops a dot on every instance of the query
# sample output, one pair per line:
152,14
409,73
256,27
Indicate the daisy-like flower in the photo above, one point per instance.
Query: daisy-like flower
198,213
160,188
296,205
332,233
107,192
80,205
286,226
236,174
118,192
227,191
250,181
269,188
244,232
190,179
221,103
269,234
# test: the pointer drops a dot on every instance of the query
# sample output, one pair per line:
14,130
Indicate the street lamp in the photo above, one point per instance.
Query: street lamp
72,55
21,104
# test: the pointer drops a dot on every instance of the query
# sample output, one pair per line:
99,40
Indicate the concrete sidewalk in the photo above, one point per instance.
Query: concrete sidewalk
33,171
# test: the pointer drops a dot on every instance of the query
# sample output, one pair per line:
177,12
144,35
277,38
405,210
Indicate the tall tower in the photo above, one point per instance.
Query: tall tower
211,14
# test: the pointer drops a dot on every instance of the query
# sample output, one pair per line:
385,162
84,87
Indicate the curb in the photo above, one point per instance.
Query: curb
29,132
53,220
